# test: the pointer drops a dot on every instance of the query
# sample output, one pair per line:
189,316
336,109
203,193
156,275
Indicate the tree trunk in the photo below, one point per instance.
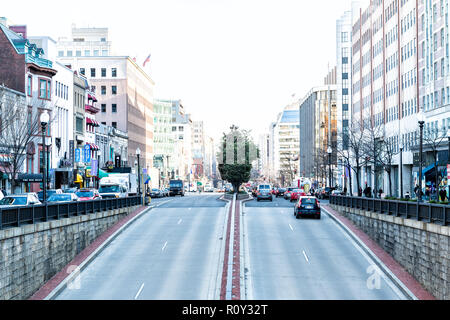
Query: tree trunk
390,183
236,187
358,182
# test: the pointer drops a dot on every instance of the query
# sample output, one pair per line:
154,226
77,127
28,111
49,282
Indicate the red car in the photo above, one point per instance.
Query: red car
88,194
296,194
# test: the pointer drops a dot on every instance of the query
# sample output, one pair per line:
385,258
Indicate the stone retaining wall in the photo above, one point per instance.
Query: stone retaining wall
423,249
32,254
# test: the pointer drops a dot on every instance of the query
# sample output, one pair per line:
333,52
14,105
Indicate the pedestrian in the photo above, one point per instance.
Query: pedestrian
427,192
442,194
360,192
407,195
380,192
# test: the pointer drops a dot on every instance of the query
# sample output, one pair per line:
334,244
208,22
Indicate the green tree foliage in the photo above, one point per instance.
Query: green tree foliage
236,154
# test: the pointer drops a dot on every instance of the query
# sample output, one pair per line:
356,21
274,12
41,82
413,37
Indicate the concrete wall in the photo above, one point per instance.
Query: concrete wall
32,254
423,249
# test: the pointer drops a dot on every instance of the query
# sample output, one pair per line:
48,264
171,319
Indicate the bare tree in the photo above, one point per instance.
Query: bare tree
373,147
7,107
386,159
356,136
286,169
344,153
22,130
433,140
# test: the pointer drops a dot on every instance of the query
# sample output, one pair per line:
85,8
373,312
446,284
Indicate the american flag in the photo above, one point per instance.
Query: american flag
147,60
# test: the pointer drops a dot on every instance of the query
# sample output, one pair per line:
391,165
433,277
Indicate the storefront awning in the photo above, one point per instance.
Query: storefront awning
93,146
427,169
79,179
92,122
92,97
29,177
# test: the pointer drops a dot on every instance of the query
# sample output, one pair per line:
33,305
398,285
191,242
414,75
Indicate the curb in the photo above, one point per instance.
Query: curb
396,281
70,277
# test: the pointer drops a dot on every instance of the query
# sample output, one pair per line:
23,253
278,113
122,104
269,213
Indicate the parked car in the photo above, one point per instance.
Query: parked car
70,190
325,193
287,193
48,193
296,194
24,199
166,192
63,197
280,192
88,194
156,193
307,206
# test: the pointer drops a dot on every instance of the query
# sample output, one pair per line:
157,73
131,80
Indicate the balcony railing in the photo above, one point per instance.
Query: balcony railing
426,212
38,61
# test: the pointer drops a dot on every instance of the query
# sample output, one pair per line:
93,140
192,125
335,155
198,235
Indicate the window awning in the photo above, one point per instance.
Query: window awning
92,97
92,122
29,177
430,167
93,146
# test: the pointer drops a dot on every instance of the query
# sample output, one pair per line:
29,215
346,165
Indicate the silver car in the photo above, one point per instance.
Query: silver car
15,200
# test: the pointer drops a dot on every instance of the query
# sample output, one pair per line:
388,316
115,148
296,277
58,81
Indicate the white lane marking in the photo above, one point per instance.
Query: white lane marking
190,209
291,227
179,221
139,292
306,257
165,244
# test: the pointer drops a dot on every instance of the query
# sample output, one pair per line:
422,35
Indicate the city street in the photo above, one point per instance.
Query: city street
175,251
288,258
171,252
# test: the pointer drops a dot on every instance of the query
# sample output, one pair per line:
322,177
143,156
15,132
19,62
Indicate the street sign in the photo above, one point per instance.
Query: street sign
94,168
87,153
77,155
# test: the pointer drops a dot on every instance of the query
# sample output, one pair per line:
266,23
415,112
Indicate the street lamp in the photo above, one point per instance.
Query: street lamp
329,151
99,153
45,118
138,153
420,118
48,143
448,162
401,170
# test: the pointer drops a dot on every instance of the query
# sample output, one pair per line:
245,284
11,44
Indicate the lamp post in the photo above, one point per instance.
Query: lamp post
44,118
138,153
448,162
99,153
420,118
401,170
48,143
329,151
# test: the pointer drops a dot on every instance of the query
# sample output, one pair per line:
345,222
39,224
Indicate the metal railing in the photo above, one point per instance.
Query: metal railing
18,216
426,212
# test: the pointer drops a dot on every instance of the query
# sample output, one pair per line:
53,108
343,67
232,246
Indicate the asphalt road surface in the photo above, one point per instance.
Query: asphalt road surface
287,258
175,251
171,252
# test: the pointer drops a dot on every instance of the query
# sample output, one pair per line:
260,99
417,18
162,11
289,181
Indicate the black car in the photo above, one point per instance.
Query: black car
281,192
307,206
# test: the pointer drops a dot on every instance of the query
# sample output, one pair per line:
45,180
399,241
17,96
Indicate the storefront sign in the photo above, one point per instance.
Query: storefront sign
94,168
71,151
77,155
87,153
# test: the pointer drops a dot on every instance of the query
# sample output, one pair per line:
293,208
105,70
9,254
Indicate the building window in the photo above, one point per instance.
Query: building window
87,53
92,72
103,72
114,108
44,89
114,124
104,123
103,90
114,72
79,124
103,107
103,39
95,53
78,53
82,71
30,86
60,53
114,89
344,36
104,53
69,53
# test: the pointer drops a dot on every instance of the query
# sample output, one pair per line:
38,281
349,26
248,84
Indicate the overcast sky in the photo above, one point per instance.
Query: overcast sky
229,61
